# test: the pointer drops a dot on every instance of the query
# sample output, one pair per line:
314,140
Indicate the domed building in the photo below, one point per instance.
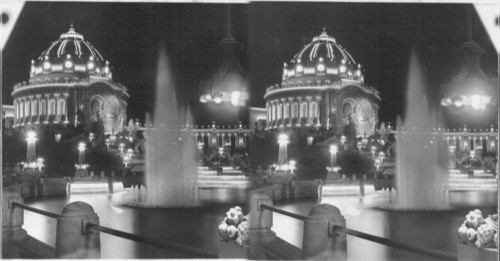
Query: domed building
70,83
322,87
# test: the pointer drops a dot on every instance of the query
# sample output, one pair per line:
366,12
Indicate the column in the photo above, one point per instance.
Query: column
299,116
38,96
58,116
309,112
66,95
318,110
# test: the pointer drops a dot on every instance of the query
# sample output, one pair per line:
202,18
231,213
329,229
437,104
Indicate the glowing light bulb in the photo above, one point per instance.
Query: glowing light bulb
90,65
235,98
68,64
321,67
299,68
46,65
342,69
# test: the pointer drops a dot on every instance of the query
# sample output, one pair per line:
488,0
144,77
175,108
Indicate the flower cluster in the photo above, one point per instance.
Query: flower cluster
234,227
482,232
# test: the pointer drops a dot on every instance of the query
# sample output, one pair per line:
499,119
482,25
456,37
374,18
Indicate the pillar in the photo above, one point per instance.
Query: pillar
261,222
73,240
319,241
12,217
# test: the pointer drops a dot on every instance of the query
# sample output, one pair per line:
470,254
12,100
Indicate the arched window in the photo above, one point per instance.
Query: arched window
27,108
62,107
280,110
34,108
303,110
43,104
52,107
295,110
314,110
287,110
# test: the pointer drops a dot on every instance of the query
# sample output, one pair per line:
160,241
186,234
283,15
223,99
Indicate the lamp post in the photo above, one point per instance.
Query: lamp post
378,163
373,150
81,153
360,145
282,154
333,155
57,137
31,149
121,147
381,156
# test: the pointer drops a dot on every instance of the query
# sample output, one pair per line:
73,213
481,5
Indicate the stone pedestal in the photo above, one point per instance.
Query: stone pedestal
12,217
319,243
73,240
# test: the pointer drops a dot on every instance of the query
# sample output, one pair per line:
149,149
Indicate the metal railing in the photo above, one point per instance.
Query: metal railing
284,212
384,241
32,209
196,252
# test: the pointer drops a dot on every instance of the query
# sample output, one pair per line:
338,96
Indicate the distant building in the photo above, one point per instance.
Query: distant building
322,88
70,83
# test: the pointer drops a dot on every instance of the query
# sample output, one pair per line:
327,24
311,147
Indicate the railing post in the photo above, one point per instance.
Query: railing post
12,217
73,240
320,241
261,221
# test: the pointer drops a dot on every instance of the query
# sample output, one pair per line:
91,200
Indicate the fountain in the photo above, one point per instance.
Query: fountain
170,149
422,176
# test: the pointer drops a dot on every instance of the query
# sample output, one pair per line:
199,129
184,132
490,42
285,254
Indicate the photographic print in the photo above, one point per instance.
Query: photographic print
256,130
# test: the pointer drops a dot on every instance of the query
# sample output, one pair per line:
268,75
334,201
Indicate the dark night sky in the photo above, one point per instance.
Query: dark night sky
379,36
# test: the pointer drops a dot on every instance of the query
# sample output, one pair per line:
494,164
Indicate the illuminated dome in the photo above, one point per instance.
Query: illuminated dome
322,88
322,57
70,84
70,54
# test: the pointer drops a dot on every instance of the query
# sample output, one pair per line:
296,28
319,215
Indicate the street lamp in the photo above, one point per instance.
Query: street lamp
378,163
283,142
130,153
374,149
333,155
360,145
381,156
81,152
121,147
57,137
31,149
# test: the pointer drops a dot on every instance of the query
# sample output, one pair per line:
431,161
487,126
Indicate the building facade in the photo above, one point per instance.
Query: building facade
322,87
70,83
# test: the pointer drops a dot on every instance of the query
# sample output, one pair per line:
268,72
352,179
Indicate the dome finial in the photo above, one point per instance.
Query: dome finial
323,29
